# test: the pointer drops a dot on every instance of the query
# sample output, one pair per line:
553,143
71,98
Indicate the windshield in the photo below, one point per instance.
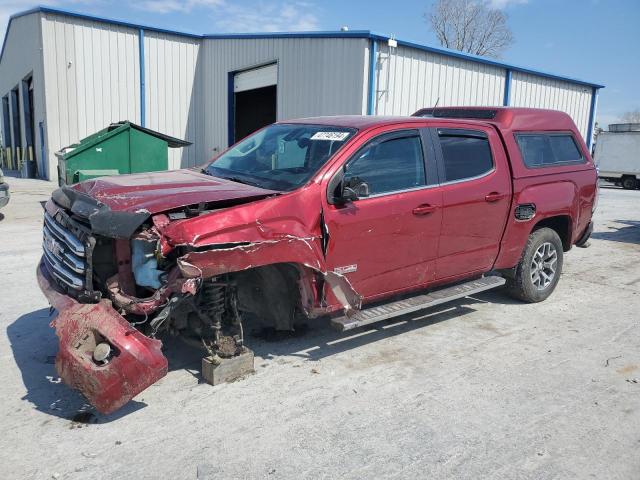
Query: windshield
280,157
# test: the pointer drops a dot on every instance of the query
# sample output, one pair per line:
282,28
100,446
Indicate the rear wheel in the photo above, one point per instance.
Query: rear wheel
538,271
629,183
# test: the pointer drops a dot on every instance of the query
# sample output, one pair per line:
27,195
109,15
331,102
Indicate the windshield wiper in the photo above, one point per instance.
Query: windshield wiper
242,180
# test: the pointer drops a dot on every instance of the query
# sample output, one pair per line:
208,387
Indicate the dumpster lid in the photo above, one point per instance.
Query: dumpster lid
99,136
173,142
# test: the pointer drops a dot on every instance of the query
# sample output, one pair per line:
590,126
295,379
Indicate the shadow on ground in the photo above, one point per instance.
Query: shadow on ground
628,233
35,345
317,340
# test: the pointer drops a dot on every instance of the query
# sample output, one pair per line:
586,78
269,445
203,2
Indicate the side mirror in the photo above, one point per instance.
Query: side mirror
343,190
361,188
353,189
348,195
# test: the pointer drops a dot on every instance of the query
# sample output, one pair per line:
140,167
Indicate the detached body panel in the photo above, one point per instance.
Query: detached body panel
136,361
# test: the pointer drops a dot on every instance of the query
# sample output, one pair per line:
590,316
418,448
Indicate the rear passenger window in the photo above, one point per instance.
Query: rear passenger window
541,150
465,154
389,165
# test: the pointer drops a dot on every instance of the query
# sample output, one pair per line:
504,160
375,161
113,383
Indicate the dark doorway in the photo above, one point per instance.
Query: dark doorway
17,128
6,134
29,126
254,109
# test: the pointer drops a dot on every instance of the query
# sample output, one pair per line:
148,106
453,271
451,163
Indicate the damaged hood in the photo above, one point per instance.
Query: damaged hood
162,191
116,206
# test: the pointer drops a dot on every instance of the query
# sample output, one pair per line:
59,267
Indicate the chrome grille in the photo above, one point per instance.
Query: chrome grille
64,254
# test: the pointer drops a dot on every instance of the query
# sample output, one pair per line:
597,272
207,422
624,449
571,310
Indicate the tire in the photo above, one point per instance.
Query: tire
629,183
537,274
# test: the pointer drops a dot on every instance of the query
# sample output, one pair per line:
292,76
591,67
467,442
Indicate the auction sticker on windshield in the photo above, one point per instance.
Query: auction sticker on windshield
332,136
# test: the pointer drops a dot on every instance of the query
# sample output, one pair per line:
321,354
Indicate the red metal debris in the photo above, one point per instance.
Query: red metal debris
136,363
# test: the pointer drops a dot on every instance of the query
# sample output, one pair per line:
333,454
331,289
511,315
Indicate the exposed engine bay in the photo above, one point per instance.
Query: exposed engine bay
120,275
150,289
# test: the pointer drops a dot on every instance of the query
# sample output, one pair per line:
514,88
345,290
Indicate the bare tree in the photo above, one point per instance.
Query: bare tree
470,26
632,116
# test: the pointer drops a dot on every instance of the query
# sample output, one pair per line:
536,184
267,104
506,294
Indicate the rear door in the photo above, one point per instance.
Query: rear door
476,195
388,241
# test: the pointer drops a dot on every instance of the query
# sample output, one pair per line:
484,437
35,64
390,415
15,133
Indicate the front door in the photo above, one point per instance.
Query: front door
476,193
387,241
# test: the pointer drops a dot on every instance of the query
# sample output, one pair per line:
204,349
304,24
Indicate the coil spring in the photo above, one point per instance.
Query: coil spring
213,300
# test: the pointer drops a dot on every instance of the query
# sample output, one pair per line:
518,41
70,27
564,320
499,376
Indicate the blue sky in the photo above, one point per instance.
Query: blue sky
594,40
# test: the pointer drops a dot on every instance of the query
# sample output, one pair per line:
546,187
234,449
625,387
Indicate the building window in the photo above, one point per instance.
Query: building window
466,154
543,150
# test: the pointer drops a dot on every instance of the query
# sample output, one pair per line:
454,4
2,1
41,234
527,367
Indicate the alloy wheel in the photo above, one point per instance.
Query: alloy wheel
543,266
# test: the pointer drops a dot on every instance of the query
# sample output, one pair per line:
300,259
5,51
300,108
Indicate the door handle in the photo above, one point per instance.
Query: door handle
493,197
424,209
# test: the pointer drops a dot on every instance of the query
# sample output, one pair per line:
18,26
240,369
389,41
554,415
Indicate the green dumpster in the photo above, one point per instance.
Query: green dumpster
122,147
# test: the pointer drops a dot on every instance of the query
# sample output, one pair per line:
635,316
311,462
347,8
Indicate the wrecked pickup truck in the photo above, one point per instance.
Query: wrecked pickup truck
358,218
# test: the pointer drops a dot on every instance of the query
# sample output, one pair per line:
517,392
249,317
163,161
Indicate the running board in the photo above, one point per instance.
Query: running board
419,302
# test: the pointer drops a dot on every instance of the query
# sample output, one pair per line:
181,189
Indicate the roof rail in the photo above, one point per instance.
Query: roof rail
478,113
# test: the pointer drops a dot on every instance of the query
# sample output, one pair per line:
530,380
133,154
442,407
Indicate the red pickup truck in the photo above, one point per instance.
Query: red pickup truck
359,218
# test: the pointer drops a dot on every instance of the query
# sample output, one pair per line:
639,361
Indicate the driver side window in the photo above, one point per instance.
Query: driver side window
390,163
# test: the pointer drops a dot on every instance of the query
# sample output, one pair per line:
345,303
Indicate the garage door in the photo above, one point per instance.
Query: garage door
255,98
256,78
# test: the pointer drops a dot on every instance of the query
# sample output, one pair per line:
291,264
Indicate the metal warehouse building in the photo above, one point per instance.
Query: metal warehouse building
65,75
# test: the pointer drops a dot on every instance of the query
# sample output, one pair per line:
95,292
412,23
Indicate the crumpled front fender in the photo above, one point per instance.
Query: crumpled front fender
137,363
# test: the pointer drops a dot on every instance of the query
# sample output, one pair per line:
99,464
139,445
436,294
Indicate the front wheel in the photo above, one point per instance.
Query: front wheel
629,183
538,272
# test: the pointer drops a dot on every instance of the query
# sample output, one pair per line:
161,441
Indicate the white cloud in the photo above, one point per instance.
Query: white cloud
11,7
269,16
177,6
227,15
502,4
231,16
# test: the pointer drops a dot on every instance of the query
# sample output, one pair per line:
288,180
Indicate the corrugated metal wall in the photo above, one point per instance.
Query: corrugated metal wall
408,79
92,77
22,57
539,92
173,93
87,76
316,76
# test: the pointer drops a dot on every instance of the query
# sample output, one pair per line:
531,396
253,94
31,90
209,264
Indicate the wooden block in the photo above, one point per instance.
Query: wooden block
220,370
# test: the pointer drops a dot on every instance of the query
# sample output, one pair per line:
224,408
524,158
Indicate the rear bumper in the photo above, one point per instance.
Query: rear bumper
137,363
4,194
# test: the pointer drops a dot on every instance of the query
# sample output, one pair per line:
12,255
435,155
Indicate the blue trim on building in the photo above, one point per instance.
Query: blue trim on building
122,23
486,61
507,88
143,100
314,34
364,34
231,111
373,62
592,117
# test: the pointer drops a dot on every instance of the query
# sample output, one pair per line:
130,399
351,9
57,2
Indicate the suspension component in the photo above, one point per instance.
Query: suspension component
213,305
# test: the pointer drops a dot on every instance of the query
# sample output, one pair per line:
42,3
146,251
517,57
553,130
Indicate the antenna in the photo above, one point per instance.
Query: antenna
437,102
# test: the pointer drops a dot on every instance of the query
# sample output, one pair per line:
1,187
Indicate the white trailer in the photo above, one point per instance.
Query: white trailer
617,155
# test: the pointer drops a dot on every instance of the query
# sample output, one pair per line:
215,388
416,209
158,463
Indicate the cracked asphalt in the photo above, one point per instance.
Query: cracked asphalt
485,387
